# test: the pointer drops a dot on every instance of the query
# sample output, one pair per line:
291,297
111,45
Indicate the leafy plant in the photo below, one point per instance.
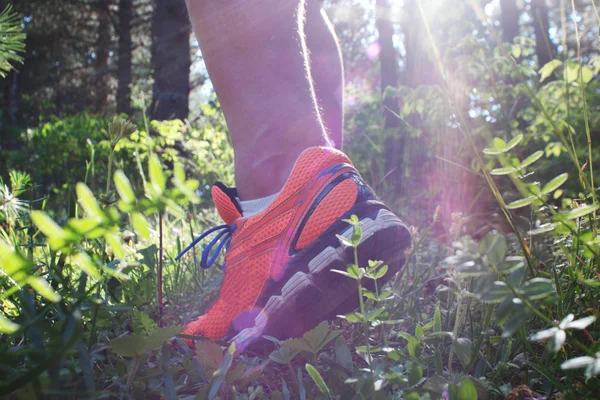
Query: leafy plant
12,41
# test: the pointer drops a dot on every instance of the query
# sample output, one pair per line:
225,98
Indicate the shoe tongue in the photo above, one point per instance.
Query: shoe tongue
225,201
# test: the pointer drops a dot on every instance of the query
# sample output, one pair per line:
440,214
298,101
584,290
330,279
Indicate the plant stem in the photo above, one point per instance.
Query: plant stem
585,116
362,309
110,163
455,331
486,323
160,269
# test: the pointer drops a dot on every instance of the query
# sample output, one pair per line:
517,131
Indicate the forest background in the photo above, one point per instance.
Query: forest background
475,120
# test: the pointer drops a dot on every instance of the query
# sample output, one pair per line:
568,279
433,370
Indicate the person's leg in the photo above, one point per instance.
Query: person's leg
278,264
256,59
326,67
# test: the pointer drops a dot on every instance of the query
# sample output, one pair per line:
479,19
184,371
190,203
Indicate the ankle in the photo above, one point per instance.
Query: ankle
264,176
260,177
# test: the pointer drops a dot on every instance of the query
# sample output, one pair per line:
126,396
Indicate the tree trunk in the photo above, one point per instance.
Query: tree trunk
544,48
388,61
124,73
102,53
171,60
509,20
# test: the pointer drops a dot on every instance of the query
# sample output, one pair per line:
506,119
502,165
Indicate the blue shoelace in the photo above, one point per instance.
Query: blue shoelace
223,239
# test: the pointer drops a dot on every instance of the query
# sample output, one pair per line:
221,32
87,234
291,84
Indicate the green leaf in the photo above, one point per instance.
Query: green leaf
555,183
511,264
47,224
373,314
137,345
466,390
7,326
515,50
437,338
343,355
157,176
354,317
124,187
412,396
89,202
496,293
436,384
297,345
587,74
571,71
314,374
380,272
513,142
531,159
418,331
353,271
284,355
140,225
542,229
83,261
249,374
345,241
437,319
319,337
301,385
492,151
356,235
581,211
315,336
41,286
57,237
415,374
494,246
88,227
127,346
463,348
499,143
501,147
503,171
537,288
521,203
219,376
115,243
209,355
548,69
413,344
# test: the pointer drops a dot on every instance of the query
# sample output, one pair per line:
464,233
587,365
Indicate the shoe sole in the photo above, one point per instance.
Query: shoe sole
311,292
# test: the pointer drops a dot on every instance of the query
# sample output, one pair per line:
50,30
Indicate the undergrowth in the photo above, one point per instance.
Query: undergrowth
93,299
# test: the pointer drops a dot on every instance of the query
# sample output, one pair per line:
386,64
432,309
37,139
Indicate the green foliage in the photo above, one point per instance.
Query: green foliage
91,147
102,208
12,41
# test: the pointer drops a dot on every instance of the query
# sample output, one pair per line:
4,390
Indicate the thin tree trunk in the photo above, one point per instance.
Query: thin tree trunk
171,60
124,73
509,20
13,98
388,60
544,48
102,53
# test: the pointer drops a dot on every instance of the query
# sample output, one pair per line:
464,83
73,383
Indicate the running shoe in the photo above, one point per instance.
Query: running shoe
278,263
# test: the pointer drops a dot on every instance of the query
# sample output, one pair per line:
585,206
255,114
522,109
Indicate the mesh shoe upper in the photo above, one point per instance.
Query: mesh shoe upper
315,195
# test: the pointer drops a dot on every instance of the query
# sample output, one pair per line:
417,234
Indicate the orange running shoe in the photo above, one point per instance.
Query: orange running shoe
278,278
